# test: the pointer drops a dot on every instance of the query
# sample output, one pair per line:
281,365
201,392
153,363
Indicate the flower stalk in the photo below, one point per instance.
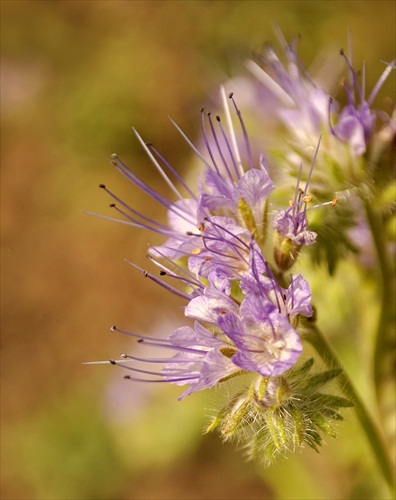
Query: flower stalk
312,334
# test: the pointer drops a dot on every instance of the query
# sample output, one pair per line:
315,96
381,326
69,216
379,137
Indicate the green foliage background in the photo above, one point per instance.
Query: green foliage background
76,76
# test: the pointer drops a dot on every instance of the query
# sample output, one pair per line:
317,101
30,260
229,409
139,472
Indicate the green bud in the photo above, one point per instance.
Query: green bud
274,415
285,252
237,416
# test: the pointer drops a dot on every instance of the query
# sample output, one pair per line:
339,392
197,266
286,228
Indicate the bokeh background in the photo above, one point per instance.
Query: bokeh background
75,77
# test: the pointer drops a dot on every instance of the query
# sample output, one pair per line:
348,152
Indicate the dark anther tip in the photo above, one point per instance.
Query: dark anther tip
202,109
341,52
231,95
112,361
112,205
162,273
102,186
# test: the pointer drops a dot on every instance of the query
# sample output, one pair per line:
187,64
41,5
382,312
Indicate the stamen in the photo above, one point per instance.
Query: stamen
170,288
381,81
207,142
137,335
209,115
167,380
232,133
228,147
196,151
312,165
174,172
245,135
158,167
354,82
132,210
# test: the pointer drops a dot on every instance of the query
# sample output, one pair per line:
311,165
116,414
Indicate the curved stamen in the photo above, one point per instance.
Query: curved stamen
381,81
174,172
158,166
207,142
225,138
132,210
245,135
170,288
218,146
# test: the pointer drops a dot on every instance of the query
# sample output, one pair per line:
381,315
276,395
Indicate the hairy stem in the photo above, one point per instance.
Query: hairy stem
314,336
385,348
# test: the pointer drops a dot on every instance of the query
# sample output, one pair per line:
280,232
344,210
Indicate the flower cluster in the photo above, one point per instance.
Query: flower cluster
357,139
244,301
307,110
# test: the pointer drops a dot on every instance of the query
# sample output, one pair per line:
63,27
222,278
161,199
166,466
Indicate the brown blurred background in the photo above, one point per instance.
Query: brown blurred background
75,77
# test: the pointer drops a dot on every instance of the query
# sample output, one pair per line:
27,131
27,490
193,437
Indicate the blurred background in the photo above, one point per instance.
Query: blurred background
75,77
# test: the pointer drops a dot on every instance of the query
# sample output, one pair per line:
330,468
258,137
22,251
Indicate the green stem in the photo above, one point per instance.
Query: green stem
384,351
315,337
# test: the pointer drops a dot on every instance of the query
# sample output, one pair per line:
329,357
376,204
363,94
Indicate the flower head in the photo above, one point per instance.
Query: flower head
245,309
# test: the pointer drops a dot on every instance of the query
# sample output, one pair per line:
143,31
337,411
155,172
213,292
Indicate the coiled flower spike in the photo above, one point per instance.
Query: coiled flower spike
245,322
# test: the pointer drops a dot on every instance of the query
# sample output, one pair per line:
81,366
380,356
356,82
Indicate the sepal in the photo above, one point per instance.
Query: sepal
276,415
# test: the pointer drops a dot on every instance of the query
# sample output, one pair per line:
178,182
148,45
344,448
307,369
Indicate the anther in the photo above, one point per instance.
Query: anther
112,361
218,118
113,328
123,356
334,202
102,186
231,95
307,198
162,273
127,377
114,155
112,205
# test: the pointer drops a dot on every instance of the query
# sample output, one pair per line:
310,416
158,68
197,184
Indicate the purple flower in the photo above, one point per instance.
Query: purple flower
244,200
201,360
266,341
213,254
225,245
209,306
303,106
290,302
293,225
355,124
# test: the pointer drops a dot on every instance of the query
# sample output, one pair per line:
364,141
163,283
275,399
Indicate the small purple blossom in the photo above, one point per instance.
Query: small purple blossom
292,224
213,259
355,124
266,341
